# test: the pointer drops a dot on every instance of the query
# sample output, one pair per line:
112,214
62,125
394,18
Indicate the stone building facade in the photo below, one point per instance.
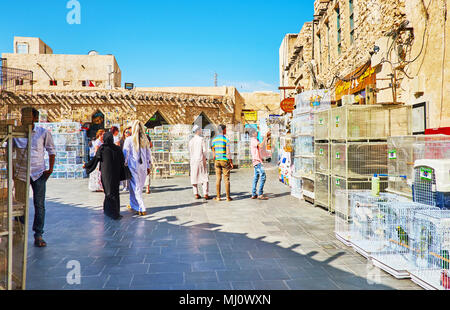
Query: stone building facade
385,52
63,72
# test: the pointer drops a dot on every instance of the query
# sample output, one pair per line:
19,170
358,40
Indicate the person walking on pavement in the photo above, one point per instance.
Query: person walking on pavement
112,165
149,176
138,158
260,174
222,161
41,141
126,133
95,178
199,170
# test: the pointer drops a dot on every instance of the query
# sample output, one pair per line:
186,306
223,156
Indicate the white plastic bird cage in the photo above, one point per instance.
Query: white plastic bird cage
358,160
322,190
338,183
322,125
322,157
305,124
368,222
14,193
304,166
296,187
432,182
308,189
312,100
395,256
430,249
369,122
304,145
403,151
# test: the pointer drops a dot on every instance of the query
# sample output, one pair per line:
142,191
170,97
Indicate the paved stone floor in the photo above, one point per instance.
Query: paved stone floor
183,243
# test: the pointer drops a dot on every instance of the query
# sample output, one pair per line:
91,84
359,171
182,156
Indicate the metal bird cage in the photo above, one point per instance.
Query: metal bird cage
322,125
322,190
338,183
403,151
430,249
358,160
368,219
322,157
304,146
369,122
14,193
395,255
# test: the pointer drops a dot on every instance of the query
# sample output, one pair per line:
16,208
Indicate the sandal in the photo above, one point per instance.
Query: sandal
39,242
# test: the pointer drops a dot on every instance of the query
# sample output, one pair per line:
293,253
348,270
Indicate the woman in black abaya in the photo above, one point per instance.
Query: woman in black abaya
112,168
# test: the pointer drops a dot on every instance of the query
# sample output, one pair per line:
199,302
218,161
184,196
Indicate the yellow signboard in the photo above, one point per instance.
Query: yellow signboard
250,116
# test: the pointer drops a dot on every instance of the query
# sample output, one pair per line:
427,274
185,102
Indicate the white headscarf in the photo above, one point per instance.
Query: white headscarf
138,130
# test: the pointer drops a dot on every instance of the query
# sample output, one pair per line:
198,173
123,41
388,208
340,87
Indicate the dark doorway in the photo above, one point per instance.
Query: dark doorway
156,120
202,121
98,122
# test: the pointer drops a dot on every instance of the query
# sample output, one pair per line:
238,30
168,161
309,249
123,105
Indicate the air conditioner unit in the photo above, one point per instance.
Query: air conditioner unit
432,182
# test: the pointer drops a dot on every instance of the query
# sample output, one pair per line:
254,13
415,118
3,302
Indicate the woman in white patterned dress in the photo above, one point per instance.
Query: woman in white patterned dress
95,178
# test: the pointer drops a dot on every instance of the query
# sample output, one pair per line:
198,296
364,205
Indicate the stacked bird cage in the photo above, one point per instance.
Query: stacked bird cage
70,143
161,151
179,149
430,248
367,219
307,104
358,138
403,151
322,190
14,193
245,156
395,257
296,181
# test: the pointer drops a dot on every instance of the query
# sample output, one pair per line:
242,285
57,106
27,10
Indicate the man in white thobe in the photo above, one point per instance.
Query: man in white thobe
199,171
138,157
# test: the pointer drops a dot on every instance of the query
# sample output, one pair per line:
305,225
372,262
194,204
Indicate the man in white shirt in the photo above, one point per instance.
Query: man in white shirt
41,141
199,170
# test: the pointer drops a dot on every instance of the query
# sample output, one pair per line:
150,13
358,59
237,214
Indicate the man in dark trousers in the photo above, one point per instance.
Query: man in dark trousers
41,141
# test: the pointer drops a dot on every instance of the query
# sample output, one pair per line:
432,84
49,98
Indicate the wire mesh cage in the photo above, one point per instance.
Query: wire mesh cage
304,166
322,125
308,189
432,182
367,219
322,190
358,159
322,157
305,124
338,183
367,122
403,151
179,169
304,145
343,217
14,80
14,185
395,256
430,247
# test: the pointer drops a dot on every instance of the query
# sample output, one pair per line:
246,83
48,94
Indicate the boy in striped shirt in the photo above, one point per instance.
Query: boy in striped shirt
222,161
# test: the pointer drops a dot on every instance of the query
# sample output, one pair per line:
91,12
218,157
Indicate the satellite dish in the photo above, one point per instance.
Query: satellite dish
93,53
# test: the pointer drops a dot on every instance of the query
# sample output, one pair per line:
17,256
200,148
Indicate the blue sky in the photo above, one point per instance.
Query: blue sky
167,43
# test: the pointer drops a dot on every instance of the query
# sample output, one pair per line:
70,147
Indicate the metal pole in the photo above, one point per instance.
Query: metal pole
10,208
27,201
